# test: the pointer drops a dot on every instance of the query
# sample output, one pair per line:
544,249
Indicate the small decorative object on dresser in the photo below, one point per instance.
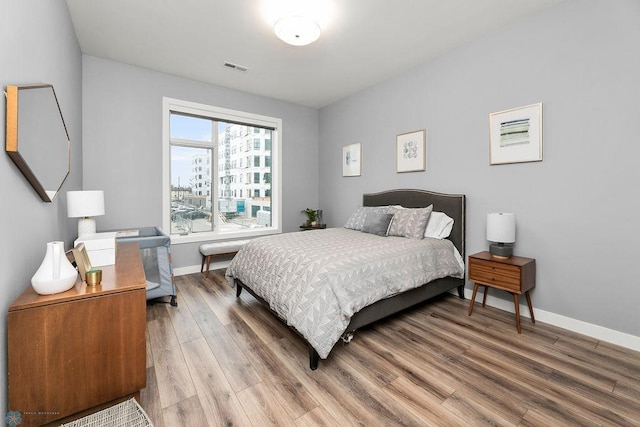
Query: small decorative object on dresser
81,259
94,277
55,274
516,275
100,247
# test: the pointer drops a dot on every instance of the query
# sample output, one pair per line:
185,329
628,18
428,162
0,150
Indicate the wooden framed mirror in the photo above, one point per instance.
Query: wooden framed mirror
37,140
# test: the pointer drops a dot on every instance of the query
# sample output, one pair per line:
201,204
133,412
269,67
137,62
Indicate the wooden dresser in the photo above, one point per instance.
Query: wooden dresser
80,349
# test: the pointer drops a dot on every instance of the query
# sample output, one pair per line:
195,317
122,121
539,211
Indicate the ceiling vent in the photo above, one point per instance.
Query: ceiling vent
236,67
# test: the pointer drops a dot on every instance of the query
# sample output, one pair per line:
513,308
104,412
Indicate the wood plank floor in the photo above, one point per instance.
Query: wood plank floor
220,361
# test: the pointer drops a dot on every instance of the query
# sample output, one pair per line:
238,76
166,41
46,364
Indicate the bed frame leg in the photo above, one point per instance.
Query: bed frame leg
238,289
313,358
461,291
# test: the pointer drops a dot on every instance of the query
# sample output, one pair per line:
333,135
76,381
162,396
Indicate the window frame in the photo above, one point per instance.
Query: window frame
170,105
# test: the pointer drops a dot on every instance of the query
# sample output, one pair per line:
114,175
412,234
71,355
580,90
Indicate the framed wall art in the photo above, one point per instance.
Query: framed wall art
411,151
516,135
352,160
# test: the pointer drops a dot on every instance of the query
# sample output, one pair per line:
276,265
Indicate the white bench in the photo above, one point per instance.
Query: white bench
217,250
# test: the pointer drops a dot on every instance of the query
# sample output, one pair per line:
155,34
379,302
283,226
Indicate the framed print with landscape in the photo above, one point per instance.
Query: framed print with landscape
352,160
411,153
516,135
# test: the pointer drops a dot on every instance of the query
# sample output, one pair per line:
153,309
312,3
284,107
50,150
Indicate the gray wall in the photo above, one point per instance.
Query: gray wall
576,210
122,126
37,45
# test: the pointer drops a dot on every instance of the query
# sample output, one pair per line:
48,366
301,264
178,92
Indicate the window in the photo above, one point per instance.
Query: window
201,202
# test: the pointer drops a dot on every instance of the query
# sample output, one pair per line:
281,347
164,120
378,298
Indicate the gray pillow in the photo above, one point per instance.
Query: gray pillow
356,220
410,223
377,223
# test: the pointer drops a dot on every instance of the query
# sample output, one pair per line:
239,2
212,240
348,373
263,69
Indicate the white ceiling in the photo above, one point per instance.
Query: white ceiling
363,42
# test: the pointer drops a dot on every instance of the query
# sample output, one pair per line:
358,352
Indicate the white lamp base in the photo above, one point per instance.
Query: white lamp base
86,225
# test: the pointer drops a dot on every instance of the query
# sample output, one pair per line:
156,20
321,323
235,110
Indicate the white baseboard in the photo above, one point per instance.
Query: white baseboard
594,331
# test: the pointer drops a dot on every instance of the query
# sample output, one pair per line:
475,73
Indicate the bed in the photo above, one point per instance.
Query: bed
326,284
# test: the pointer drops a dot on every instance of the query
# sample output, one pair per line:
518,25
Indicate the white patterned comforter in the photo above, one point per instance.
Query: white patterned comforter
316,280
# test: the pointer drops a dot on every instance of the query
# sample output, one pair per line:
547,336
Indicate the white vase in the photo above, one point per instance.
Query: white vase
55,274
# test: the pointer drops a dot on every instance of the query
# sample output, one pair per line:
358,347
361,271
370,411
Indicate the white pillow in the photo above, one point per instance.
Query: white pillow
439,225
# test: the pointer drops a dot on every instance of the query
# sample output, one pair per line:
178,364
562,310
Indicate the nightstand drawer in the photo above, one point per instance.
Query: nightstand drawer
500,275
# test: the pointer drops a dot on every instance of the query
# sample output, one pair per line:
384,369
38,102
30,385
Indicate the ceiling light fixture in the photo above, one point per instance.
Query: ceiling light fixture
297,30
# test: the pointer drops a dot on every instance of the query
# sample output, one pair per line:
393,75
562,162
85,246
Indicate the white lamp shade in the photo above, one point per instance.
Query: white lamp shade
85,203
297,30
501,227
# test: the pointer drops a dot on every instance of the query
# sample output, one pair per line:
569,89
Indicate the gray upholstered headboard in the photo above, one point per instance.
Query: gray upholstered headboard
451,204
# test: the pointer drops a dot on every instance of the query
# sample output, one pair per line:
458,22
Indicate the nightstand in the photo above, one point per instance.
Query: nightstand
305,227
516,275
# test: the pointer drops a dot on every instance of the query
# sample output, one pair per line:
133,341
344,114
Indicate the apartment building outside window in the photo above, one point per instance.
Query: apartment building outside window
207,153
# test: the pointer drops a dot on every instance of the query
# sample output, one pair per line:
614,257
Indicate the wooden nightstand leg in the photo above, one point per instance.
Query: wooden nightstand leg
484,297
473,298
517,305
533,320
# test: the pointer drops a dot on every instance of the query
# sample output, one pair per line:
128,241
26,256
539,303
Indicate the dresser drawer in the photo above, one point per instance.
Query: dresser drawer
495,274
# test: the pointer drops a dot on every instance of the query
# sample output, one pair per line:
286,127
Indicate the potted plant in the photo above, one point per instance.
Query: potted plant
311,216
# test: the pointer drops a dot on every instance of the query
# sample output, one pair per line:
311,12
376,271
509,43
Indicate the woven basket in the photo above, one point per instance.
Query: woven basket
125,414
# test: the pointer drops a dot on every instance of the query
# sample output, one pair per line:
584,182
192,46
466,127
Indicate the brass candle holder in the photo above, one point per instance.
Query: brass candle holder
94,277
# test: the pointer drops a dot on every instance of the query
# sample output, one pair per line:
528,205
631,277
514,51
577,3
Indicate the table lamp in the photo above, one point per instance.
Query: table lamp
501,230
84,205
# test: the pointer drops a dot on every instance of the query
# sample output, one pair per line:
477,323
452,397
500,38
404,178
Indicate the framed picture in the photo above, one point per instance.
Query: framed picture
411,151
516,135
352,160
81,259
